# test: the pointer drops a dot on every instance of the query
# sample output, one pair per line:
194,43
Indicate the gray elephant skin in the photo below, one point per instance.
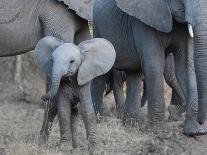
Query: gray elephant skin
70,69
142,32
115,82
23,23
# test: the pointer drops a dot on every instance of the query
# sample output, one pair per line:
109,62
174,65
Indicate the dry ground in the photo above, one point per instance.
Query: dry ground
21,118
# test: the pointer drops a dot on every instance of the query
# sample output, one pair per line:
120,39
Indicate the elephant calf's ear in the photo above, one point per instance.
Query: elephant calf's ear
99,57
43,53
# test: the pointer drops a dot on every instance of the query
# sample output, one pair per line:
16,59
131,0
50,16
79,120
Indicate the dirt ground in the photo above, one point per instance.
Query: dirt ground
21,117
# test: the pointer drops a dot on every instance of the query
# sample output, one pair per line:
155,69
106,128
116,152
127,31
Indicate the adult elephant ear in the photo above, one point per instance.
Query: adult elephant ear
43,53
98,57
154,13
84,8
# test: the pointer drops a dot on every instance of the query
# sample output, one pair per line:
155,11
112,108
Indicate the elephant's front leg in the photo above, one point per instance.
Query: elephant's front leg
64,112
153,72
88,116
49,115
132,111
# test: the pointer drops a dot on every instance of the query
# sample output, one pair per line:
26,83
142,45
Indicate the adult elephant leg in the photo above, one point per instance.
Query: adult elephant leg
191,126
155,87
176,108
97,91
49,115
178,103
153,57
132,111
64,113
144,94
185,74
118,82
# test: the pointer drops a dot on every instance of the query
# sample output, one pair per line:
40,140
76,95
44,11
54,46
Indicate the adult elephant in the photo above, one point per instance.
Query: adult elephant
23,23
142,32
115,82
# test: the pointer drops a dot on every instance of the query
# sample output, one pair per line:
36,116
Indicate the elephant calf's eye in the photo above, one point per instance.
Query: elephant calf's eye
72,61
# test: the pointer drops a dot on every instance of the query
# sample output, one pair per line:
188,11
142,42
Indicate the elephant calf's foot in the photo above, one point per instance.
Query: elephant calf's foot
92,144
133,119
43,140
175,113
193,128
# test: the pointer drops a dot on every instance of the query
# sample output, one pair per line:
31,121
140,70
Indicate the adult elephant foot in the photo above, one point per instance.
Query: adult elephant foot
201,116
66,146
157,127
193,128
120,112
175,113
133,118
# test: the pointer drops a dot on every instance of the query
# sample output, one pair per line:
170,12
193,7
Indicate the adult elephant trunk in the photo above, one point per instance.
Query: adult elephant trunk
200,58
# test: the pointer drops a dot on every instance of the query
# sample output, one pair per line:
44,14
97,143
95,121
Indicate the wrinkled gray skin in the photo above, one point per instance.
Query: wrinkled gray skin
178,103
70,69
23,23
142,39
115,83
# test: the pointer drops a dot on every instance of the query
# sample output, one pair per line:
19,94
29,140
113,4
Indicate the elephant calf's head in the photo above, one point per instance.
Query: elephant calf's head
89,59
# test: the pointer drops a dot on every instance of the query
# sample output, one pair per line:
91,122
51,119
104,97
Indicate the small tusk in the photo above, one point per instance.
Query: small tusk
190,29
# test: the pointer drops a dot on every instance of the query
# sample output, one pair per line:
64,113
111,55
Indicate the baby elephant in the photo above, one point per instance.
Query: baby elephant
70,69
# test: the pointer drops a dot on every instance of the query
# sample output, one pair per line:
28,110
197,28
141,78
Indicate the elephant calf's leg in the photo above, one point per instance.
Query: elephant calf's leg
74,125
132,111
64,112
88,115
50,113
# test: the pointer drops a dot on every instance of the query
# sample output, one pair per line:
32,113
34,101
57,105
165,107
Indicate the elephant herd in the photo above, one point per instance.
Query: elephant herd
133,41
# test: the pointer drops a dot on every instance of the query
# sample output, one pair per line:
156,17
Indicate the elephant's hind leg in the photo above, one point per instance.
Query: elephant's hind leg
119,77
178,103
133,113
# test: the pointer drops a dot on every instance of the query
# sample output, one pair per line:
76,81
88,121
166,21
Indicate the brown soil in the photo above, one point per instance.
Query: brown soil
21,118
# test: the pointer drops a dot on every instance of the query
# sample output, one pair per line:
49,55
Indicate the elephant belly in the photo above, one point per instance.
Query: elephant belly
19,26
127,62
114,25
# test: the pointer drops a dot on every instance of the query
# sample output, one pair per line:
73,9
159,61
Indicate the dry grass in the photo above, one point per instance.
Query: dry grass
20,123
21,119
